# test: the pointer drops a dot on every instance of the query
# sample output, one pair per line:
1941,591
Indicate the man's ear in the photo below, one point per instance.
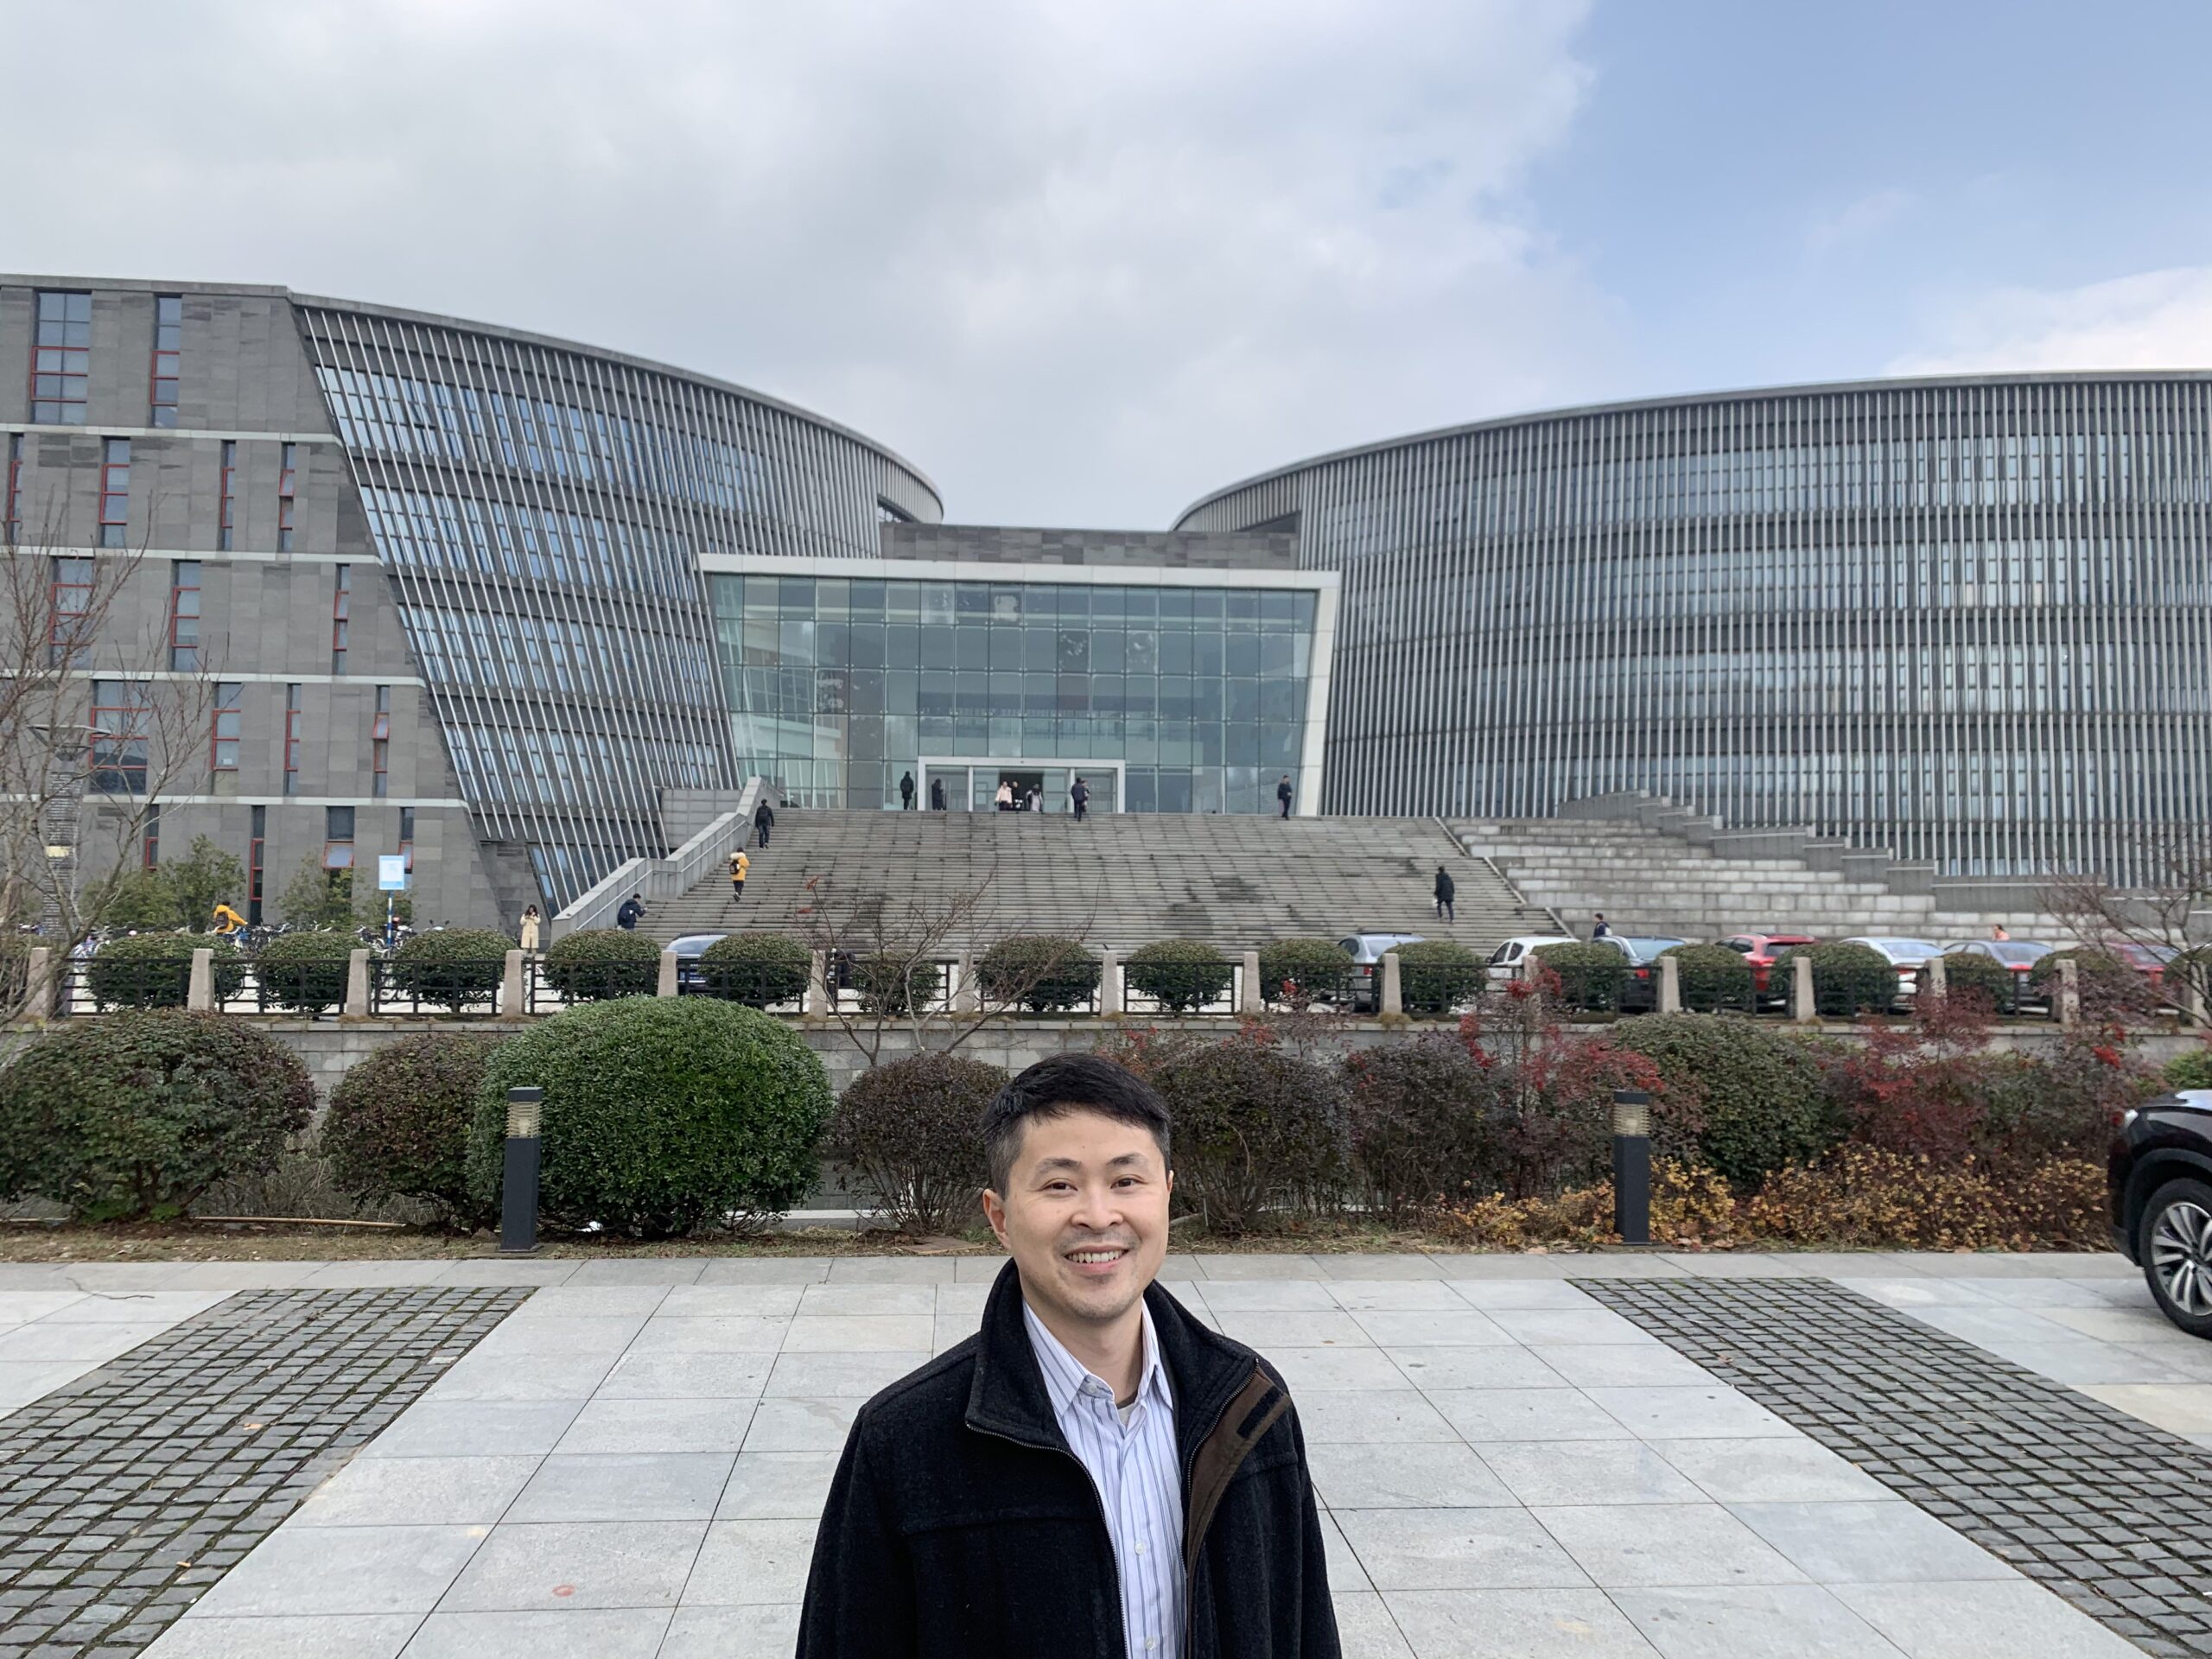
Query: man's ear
995,1213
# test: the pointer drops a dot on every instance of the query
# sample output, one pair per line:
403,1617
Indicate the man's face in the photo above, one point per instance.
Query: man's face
1084,1214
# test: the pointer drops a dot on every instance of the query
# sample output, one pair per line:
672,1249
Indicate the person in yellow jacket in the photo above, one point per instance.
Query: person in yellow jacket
227,921
739,864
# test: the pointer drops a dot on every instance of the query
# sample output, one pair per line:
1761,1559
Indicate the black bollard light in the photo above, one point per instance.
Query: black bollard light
518,1187
1631,1165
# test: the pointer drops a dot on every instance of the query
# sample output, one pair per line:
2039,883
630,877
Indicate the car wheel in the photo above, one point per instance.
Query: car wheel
2175,1246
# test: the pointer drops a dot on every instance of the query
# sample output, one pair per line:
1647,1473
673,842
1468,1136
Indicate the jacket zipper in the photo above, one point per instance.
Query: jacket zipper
1097,1509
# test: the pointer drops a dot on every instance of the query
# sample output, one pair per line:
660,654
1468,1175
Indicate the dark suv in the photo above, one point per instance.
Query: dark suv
2160,1178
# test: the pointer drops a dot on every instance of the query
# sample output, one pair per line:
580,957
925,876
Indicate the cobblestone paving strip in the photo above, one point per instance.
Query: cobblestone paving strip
126,1493
2107,1512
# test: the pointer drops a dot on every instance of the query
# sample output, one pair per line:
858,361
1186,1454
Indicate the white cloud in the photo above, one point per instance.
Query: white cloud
1858,221
2158,319
1078,262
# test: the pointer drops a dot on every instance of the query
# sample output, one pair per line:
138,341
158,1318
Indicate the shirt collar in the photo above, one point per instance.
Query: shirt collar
1065,1374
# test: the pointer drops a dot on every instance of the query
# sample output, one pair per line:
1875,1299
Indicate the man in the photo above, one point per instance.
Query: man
906,793
1081,796
1282,794
1445,891
632,912
1598,928
227,921
936,794
764,820
740,865
1096,1474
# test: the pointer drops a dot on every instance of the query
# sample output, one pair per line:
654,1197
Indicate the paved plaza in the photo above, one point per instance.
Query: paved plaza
1524,1456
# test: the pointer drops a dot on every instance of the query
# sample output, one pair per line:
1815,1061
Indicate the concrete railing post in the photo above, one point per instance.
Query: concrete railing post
39,1004
1393,997
2196,1004
1934,979
199,991
964,997
511,985
1109,985
1670,985
817,987
666,984
1801,1006
357,984
1247,994
2069,992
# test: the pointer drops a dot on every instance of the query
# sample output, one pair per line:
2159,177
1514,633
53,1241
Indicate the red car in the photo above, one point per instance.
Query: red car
1761,950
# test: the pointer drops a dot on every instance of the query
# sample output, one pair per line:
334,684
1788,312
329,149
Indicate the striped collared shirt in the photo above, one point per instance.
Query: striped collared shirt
1133,1463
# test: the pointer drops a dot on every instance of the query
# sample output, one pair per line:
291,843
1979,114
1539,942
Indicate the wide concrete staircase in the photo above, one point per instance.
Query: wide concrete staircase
1646,881
1119,881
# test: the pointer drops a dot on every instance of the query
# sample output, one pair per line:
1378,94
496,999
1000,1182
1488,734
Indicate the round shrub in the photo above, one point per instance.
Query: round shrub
1436,976
451,967
398,1125
2192,1070
756,968
1848,980
1256,1130
890,982
305,970
1712,977
661,1114
2103,979
1758,1093
908,1130
1589,974
1993,981
154,971
601,963
1424,1124
1318,968
1042,972
1182,976
138,1114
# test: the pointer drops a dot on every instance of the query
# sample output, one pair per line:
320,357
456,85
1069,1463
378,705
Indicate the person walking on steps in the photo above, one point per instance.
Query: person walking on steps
739,865
936,794
1282,794
1598,928
632,912
1081,796
1096,1473
906,793
764,820
1006,794
1445,891
528,940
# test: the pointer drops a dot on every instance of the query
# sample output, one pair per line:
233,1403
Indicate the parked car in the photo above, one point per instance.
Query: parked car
688,949
2019,956
1366,951
1510,960
1640,988
2160,1178
2148,960
1762,950
1906,955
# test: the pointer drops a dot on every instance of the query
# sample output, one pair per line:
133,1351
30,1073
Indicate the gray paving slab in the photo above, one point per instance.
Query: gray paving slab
711,1300
689,1424
1883,1541
690,1375
1538,1473
366,1636
1365,1627
1492,1549
891,1270
1403,1476
381,1569
776,1486
452,1428
1621,1545
578,1633
1981,1621
468,1492
1783,1470
768,1631
1383,1416
623,1486
1514,1624
1764,1621
765,1270
752,1563
1481,1415
577,1564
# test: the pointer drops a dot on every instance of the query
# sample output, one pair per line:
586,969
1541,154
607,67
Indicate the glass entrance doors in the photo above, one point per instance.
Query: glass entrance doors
972,785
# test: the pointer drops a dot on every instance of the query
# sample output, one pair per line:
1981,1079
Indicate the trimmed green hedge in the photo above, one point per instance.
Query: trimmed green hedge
2192,1070
1760,1096
662,1114
2104,980
601,963
1319,968
1435,976
1257,1130
305,970
452,967
1590,976
1848,980
138,1114
1982,976
756,968
1712,977
1426,1125
154,971
1042,972
908,1130
889,983
398,1125
1182,976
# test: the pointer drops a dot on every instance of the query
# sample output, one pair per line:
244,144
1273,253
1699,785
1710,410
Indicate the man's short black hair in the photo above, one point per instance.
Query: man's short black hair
1065,1084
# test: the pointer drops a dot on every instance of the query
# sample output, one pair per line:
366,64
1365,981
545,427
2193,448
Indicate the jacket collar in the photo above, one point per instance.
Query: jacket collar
1007,1396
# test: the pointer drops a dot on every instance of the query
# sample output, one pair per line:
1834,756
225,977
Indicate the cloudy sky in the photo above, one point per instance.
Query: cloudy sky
1083,262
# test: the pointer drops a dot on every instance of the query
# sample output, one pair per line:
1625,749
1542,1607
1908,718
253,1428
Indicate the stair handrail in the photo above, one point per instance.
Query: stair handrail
662,878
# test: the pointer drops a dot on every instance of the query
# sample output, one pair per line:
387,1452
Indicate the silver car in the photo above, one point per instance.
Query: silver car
1907,956
1366,951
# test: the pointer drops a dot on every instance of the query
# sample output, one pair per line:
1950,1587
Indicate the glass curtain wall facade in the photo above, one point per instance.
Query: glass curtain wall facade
1192,698
541,509
1967,620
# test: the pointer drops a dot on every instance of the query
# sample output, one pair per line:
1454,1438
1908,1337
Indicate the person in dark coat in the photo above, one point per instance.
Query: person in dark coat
1444,890
764,820
936,794
1097,1473
1081,796
906,793
632,912
1598,930
1282,794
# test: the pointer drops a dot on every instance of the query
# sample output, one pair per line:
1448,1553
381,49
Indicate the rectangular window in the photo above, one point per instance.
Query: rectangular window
337,837
229,494
150,839
11,522
380,743
61,358
293,718
168,328
341,608
115,493
228,723
68,626
407,835
121,711
184,614
287,486
254,849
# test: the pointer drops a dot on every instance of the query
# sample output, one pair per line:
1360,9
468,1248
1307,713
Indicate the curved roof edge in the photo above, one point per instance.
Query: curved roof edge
1579,410
651,365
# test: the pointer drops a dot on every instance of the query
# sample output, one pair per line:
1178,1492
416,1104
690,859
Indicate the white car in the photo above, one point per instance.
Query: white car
1908,956
1510,960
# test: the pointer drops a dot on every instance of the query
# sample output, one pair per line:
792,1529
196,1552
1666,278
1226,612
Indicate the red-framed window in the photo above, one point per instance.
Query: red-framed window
184,613
61,358
407,836
337,837
168,330
257,845
295,724
230,500
226,727
115,493
121,712
341,608
380,744
68,635
11,523
287,489
149,836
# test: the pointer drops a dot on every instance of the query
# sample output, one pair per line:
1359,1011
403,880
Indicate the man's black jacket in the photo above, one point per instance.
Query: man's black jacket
960,1523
